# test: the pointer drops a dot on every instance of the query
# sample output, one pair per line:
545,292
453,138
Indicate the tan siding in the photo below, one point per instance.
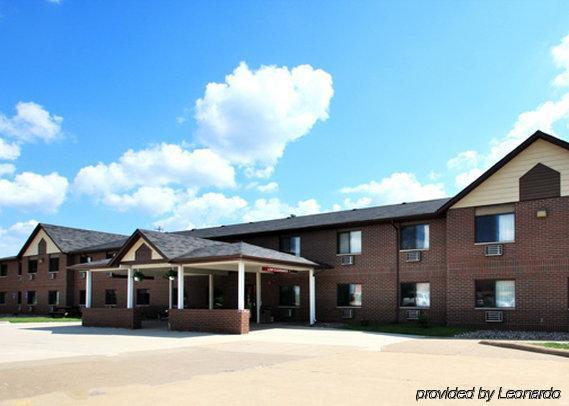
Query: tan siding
51,248
503,186
130,255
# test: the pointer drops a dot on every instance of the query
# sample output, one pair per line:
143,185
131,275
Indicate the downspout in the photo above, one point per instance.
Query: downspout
397,278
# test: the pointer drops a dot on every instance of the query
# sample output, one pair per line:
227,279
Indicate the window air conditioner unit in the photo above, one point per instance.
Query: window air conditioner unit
413,314
347,260
110,274
494,316
82,275
287,313
493,250
52,275
413,256
347,313
31,276
51,309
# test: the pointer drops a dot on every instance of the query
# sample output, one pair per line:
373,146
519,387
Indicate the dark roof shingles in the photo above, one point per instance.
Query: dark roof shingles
75,239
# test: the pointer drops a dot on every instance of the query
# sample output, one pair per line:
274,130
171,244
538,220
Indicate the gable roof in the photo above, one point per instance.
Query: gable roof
538,135
402,211
69,239
175,247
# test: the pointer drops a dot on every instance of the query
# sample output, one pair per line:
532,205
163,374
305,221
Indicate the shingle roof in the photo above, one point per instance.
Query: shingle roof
379,213
70,239
242,249
177,247
111,245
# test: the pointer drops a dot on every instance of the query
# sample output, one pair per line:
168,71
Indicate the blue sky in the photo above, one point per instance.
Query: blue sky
106,121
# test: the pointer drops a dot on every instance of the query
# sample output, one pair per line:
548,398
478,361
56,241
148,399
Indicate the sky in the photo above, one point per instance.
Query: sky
117,115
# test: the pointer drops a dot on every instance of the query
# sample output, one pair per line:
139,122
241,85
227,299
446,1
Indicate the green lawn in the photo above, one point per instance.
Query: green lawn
557,346
409,329
39,319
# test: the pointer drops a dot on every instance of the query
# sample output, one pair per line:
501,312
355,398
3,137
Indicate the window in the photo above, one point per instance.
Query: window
350,242
3,270
110,297
349,294
32,266
2,298
495,294
82,297
31,298
19,298
42,247
415,295
83,259
290,245
496,228
109,255
54,264
289,296
142,297
53,297
415,237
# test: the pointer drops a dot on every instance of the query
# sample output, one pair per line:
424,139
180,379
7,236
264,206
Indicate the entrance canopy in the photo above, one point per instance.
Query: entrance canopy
182,255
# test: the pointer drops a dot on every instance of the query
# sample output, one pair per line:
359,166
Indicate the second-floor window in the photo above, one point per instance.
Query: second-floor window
290,245
3,270
496,228
32,266
83,259
415,237
350,242
54,264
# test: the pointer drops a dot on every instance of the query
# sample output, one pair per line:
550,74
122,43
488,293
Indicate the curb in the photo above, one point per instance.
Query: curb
526,347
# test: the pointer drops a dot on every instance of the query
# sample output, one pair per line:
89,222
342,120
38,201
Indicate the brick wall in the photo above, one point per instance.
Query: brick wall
111,317
537,261
225,321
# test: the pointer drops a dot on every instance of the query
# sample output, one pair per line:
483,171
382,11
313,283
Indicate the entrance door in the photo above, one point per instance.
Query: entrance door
251,300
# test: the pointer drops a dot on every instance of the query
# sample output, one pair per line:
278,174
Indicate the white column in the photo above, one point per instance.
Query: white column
180,286
210,288
241,285
130,289
258,298
312,296
88,289
169,292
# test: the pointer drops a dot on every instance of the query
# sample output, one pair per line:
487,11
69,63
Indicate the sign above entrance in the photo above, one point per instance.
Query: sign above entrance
270,269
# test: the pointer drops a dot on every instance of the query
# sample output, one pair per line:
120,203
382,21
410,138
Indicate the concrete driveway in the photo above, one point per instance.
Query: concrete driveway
73,365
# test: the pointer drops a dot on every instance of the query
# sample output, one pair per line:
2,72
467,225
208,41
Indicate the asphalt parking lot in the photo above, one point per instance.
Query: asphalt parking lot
54,363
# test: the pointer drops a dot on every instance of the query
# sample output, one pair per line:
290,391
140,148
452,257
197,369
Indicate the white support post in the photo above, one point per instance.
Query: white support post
312,296
210,289
258,298
180,286
130,289
241,285
88,289
170,293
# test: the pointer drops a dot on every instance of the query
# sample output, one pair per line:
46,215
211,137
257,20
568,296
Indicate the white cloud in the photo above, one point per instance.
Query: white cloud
152,200
7,169
268,188
254,114
209,209
397,188
560,55
13,237
32,192
464,159
160,165
267,209
31,122
9,151
464,179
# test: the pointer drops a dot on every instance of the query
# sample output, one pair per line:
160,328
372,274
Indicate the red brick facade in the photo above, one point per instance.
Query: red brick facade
225,321
111,317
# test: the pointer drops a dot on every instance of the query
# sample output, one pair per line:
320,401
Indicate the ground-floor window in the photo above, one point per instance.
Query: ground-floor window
349,294
2,298
495,294
19,297
416,294
82,297
32,298
142,297
53,297
110,297
289,296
